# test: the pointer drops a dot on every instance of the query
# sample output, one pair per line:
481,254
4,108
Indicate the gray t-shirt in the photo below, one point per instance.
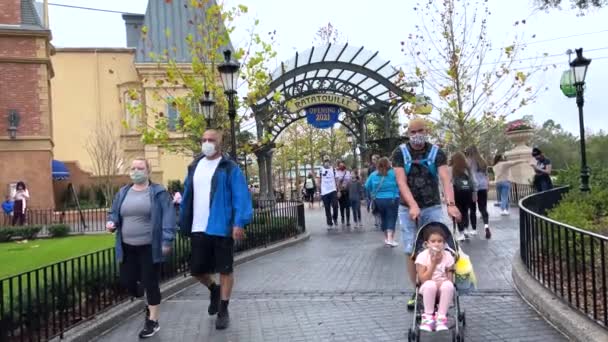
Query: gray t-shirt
136,218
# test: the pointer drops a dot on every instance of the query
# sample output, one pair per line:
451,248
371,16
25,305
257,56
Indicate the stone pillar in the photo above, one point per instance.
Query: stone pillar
521,173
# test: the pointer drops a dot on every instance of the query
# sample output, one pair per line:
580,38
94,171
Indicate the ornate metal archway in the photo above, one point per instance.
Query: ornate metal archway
339,69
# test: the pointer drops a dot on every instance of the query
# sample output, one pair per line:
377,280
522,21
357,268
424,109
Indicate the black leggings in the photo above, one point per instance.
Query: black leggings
137,268
464,202
344,206
482,203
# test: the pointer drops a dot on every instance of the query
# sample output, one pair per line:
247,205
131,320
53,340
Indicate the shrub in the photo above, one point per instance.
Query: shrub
27,232
175,185
6,233
59,230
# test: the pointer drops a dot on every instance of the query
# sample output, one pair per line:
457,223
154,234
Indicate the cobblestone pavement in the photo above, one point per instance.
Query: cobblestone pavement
346,286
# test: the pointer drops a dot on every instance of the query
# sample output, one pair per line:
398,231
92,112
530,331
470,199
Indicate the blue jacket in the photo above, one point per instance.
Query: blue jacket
230,203
163,220
8,206
388,188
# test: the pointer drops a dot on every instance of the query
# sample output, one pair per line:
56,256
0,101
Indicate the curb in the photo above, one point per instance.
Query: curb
570,322
108,320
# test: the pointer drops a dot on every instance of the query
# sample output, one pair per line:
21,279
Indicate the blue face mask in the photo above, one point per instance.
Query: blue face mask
138,176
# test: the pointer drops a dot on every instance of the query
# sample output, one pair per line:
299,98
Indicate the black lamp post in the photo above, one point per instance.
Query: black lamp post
351,140
229,71
208,107
579,69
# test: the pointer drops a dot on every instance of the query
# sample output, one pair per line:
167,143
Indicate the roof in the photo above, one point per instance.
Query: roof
169,24
30,18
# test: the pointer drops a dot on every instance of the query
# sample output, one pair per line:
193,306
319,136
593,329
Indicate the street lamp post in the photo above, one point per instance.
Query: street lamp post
229,71
351,140
208,108
579,69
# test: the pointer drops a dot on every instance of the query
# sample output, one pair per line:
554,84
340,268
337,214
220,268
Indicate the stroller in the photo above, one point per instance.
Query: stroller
456,316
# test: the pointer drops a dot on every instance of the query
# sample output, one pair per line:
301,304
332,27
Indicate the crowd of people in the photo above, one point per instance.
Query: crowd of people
406,192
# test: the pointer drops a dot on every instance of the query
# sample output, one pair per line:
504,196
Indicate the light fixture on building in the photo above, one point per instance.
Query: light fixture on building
13,123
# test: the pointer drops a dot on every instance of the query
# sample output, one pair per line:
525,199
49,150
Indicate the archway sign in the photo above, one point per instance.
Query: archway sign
322,110
319,85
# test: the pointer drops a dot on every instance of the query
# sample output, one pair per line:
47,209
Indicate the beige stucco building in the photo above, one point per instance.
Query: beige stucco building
94,87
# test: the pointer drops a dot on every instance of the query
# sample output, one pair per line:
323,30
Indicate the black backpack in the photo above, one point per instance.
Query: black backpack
462,183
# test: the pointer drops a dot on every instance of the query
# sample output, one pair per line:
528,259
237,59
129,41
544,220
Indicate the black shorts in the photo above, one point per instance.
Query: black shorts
211,254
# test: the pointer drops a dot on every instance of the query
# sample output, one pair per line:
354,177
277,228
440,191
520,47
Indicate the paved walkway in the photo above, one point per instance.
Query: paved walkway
346,286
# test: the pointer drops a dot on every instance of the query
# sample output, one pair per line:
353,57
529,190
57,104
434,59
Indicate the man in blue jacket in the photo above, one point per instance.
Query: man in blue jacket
215,208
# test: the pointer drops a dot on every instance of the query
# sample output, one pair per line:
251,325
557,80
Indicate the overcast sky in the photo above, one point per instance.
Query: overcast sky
381,25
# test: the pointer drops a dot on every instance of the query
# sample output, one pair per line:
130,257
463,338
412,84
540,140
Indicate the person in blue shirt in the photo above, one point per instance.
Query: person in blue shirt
384,193
216,206
7,207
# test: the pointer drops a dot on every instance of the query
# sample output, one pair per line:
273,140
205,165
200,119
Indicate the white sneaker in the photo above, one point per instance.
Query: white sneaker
394,243
504,213
472,232
469,231
459,236
386,242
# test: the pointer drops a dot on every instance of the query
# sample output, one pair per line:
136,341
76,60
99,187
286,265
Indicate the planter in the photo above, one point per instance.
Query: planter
520,137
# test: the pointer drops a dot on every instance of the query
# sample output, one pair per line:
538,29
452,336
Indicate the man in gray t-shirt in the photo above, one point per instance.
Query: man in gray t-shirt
136,216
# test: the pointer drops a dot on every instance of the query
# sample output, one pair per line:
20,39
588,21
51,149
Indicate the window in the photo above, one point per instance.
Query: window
132,109
172,115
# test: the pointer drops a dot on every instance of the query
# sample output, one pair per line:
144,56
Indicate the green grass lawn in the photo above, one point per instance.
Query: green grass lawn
16,257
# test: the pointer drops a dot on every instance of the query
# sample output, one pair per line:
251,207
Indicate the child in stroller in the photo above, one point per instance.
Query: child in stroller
435,255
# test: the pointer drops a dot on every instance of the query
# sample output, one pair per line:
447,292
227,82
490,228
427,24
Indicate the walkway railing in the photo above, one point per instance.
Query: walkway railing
85,221
518,191
570,262
43,303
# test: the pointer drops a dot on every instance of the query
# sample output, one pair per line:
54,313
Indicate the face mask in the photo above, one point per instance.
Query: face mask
208,148
138,176
418,139
342,168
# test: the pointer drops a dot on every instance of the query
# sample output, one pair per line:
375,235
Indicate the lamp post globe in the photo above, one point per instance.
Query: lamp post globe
229,73
208,108
579,70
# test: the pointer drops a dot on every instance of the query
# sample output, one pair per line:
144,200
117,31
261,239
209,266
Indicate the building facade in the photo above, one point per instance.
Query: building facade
26,123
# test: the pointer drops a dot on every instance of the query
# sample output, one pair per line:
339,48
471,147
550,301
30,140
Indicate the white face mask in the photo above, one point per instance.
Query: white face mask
208,149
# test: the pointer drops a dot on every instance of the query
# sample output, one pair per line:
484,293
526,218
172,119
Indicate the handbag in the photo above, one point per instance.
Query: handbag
373,197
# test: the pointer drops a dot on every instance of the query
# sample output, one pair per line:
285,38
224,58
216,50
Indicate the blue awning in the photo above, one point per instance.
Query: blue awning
60,171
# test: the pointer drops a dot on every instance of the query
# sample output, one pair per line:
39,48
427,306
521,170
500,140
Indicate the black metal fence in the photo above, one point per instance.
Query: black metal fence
41,304
518,191
570,262
84,221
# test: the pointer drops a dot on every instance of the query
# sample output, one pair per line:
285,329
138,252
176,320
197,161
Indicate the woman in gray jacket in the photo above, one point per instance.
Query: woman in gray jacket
479,169
143,218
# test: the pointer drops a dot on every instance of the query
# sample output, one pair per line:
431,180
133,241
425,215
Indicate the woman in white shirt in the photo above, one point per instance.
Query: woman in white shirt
20,198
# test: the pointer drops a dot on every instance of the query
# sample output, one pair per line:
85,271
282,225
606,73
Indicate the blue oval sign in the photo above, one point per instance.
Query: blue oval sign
322,116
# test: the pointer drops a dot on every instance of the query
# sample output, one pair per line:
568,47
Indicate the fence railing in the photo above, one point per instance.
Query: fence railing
570,262
43,303
85,221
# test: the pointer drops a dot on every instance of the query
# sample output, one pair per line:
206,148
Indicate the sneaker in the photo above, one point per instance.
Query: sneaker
488,232
469,232
214,301
459,236
427,322
150,328
222,321
411,303
504,213
393,243
387,243
473,232
441,323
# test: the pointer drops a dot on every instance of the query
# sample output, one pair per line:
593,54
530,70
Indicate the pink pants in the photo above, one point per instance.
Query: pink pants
430,290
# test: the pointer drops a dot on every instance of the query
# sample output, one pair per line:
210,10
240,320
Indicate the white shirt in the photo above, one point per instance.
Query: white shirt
328,181
202,193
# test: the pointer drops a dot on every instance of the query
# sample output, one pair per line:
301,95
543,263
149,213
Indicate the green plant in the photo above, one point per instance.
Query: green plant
175,185
59,230
28,232
6,233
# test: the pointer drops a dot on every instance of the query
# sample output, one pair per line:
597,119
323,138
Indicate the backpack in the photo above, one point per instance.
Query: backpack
462,183
428,162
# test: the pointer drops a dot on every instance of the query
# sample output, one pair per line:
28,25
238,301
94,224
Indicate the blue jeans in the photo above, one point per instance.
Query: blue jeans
409,228
504,188
387,211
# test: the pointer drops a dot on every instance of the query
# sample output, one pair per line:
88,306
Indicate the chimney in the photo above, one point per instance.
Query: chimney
133,25
10,12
